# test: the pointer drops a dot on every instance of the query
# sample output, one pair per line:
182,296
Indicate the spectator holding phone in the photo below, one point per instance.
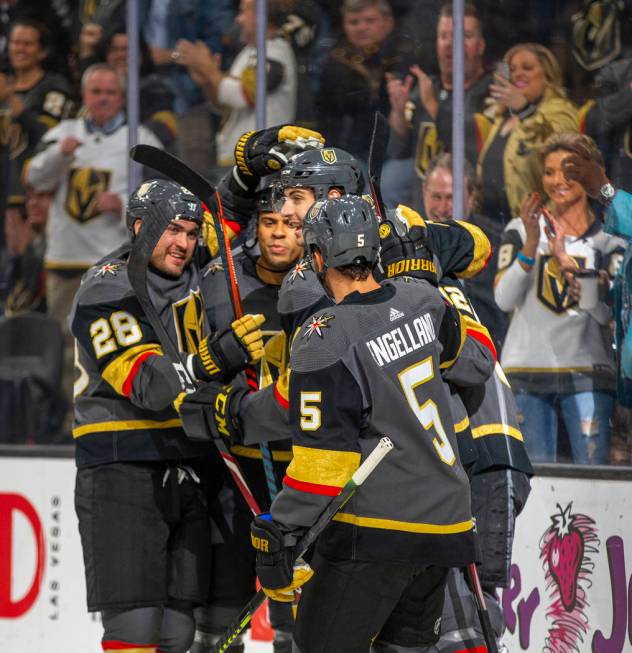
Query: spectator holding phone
557,354
530,106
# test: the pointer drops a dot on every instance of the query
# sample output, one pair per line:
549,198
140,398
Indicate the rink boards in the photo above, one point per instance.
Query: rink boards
571,574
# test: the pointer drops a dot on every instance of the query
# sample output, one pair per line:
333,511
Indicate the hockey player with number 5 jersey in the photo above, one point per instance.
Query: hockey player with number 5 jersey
357,375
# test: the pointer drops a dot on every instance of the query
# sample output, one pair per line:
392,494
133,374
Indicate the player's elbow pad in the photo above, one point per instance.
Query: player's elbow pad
156,384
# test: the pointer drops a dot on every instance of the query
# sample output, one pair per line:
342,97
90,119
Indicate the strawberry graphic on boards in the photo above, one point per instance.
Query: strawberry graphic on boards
565,554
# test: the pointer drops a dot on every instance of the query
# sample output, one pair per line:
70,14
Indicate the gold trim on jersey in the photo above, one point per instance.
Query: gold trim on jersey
496,429
462,425
323,466
481,253
255,452
547,370
117,371
408,527
126,425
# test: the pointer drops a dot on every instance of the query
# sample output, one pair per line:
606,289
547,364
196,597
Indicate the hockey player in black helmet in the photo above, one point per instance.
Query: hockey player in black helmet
260,267
368,366
142,517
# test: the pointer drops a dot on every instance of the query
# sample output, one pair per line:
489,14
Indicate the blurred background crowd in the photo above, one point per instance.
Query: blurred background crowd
543,79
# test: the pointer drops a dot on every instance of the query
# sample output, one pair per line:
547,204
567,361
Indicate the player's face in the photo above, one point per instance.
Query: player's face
247,21
561,192
25,51
527,74
367,28
117,53
296,203
473,44
280,240
103,96
174,250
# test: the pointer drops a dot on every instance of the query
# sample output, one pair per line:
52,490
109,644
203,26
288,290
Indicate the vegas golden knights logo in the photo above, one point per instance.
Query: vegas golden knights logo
188,315
275,358
428,146
84,186
597,33
329,156
553,290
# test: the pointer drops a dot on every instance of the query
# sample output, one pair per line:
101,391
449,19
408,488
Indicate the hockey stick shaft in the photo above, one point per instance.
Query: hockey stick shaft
481,608
383,447
251,373
377,154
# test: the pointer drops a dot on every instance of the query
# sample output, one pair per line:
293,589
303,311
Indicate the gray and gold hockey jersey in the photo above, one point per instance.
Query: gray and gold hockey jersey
367,367
125,385
486,412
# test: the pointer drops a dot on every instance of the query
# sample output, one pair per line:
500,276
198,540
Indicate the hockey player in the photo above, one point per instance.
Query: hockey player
142,514
260,267
357,375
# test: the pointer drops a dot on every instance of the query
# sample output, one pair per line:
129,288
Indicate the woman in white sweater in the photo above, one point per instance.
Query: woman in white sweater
558,356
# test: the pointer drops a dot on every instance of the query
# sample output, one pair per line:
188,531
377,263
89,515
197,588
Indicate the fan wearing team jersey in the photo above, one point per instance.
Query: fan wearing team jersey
556,354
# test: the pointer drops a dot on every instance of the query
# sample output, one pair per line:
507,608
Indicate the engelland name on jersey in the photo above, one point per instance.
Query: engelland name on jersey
401,341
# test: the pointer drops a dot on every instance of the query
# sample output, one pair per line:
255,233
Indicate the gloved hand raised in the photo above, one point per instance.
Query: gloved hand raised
222,355
404,246
264,152
278,572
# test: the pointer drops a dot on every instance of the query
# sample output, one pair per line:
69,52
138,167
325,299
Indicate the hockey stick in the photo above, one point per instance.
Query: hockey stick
383,447
377,154
180,172
137,265
481,608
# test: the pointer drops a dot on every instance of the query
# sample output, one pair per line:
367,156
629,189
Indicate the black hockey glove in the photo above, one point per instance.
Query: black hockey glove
278,572
224,354
265,152
212,412
404,246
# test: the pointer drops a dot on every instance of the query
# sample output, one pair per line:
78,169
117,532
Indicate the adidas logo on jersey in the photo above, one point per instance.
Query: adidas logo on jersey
395,314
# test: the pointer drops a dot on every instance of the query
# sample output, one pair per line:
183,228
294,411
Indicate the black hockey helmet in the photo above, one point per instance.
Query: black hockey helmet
176,199
344,229
321,170
264,195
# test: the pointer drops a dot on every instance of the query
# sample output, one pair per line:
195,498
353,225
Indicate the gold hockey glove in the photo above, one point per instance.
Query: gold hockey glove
278,572
224,354
264,152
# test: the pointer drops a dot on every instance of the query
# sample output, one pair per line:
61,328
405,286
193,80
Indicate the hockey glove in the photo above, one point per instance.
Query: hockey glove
265,152
224,354
404,246
278,572
212,412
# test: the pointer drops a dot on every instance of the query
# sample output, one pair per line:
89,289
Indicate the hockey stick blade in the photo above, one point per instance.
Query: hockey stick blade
383,447
377,155
170,166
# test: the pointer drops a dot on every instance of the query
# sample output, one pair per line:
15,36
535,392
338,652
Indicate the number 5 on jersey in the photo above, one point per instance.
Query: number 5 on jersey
428,413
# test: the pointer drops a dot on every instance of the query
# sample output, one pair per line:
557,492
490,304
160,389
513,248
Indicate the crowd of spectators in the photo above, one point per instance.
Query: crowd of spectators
543,80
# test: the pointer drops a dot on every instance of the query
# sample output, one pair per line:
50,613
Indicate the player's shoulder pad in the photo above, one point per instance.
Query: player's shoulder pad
300,290
106,281
321,342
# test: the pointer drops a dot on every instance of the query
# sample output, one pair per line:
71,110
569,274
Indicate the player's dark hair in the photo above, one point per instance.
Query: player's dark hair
356,271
